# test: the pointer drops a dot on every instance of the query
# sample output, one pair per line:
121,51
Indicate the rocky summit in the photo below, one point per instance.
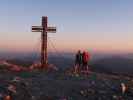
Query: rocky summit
40,85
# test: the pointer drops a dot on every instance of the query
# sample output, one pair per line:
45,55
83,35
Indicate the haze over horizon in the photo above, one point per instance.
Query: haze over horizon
94,25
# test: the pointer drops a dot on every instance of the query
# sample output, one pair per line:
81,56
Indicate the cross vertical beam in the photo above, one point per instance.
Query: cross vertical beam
44,57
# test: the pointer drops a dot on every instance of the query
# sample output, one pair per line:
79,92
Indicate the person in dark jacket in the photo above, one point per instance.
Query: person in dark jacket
78,61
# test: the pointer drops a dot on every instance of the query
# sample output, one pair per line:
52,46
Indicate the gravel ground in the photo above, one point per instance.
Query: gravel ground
59,86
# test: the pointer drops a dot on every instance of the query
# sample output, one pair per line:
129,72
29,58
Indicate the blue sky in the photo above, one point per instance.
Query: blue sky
99,25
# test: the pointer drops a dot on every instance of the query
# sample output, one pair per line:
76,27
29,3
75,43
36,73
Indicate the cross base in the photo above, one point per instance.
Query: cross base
47,67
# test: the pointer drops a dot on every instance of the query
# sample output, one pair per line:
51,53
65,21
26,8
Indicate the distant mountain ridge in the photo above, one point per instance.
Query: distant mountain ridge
99,62
115,64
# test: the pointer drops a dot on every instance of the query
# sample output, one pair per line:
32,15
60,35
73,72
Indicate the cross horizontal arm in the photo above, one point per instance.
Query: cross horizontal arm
51,29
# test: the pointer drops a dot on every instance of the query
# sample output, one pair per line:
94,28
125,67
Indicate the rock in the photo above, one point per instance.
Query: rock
123,88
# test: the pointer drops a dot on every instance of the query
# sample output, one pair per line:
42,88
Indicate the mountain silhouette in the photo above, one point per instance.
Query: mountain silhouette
114,64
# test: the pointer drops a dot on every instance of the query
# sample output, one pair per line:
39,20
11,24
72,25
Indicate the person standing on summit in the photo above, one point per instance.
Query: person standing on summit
78,61
85,59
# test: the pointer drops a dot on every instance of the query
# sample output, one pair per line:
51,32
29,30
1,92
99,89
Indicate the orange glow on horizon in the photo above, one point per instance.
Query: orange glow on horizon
67,47
66,44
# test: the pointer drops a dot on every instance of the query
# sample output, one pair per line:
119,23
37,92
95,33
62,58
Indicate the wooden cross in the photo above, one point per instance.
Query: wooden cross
44,29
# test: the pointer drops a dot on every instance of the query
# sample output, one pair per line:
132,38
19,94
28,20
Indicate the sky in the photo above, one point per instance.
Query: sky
93,25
